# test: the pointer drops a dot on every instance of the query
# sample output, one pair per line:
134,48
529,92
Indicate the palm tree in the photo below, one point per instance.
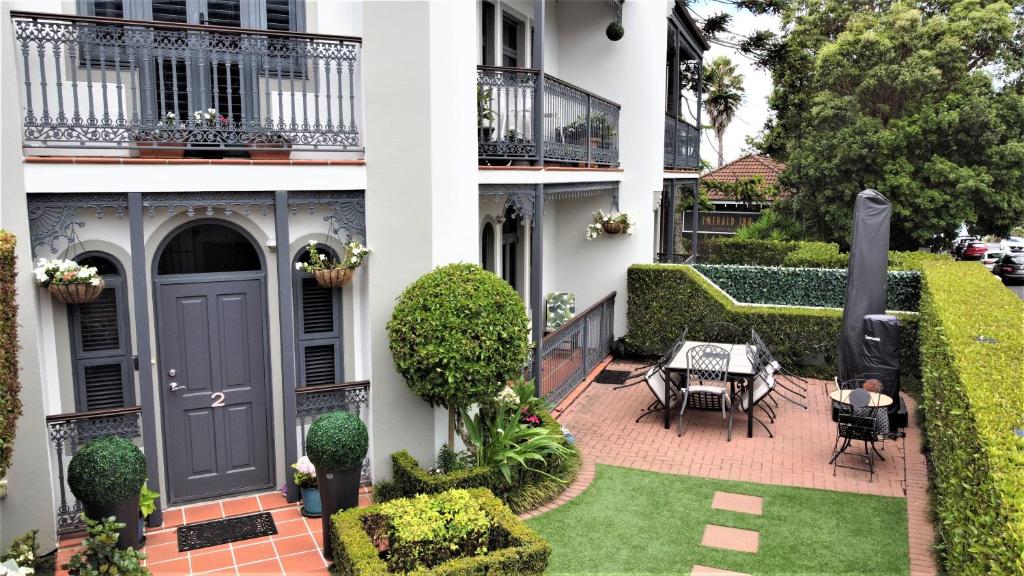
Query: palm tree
723,94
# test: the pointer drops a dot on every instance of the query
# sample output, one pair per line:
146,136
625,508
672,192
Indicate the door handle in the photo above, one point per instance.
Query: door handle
175,387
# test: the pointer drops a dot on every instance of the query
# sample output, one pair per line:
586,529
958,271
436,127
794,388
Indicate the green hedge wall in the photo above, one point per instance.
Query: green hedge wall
520,550
663,299
10,403
793,254
973,401
823,287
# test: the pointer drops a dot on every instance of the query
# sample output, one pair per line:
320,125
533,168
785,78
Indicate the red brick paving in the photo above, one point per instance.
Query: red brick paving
737,503
735,539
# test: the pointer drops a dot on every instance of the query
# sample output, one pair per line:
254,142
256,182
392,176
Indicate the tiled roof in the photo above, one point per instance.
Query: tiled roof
746,167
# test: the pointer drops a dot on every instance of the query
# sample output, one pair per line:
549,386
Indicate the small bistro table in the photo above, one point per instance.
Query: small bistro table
739,367
878,400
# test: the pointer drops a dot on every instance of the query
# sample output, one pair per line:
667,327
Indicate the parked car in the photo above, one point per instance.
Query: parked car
1011,268
961,243
990,259
1012,244
974,251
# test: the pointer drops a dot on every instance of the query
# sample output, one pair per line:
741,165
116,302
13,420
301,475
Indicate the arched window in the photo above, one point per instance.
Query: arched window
318,326
487,247
510,248
101,341
208,247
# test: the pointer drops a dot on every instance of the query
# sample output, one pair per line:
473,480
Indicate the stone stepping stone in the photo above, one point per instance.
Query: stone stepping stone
735,539
737,503
699,570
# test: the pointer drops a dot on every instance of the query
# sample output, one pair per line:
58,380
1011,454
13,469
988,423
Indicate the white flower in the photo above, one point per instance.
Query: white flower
312,243
211,111
298,265
41,276
171,116
508,397
10,567
95,282
198,115
305,466
322,256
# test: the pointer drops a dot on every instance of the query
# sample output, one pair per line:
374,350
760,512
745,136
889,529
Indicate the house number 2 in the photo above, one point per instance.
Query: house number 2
218,400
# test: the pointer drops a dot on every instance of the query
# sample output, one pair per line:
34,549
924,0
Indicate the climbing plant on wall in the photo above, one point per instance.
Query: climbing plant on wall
10,404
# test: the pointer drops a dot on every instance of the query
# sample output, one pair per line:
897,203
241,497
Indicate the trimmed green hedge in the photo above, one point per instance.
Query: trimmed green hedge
10,386
663,299
529,490
973,400
796,254
822,287
815,255
516,549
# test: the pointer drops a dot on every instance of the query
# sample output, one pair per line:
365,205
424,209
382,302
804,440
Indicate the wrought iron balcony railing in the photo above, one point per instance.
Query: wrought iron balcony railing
682,144
579,127
95,83
312,402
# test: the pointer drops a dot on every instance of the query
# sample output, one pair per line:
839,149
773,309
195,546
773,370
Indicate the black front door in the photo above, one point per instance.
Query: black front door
213,373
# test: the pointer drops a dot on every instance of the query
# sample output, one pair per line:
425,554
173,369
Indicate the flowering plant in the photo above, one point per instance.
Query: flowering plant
528,418
65,272
210,117
305,473
170,118
354,254
602,218
507,397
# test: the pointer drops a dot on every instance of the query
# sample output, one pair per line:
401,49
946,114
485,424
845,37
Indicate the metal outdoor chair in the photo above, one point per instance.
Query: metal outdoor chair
724,332
655,378
854,425
706,386
635,377
791,378
764,384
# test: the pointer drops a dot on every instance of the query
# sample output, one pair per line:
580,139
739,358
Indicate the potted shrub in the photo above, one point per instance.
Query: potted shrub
305,479
101,553
609,223
336,445
484,113
158,143
276,147
331,273
68,281
107,475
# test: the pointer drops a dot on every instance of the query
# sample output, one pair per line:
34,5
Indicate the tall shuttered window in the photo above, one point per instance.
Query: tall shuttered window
100,342
318,328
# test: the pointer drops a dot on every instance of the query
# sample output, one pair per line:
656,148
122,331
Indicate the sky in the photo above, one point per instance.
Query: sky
757,83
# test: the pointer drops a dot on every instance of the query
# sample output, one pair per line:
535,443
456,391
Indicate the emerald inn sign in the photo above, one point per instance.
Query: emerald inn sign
719,222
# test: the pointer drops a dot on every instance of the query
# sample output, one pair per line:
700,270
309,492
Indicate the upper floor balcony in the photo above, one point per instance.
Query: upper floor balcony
162,89
577,128
682,144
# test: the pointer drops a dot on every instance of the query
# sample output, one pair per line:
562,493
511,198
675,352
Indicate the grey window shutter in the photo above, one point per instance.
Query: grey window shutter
319,346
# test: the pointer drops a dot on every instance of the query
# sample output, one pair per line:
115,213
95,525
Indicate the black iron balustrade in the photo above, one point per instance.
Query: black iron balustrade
576,348
108,83
314,401
579,127
68,433
682,144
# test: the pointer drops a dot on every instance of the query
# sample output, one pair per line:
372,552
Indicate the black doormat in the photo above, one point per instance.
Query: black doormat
217,532
607,376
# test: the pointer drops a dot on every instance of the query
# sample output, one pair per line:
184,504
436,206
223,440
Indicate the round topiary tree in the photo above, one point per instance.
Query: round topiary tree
107,475
457,335
336,445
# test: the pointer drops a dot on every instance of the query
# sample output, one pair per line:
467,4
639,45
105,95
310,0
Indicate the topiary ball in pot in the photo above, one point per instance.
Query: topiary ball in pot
107,475
336,445
615,31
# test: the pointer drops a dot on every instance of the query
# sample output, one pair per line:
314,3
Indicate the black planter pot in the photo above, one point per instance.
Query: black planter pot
338,491
127,513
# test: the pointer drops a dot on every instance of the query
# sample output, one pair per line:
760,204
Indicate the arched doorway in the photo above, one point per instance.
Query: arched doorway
487,247
213,362
510,248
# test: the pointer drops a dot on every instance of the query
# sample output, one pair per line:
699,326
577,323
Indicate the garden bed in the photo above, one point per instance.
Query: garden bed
455,533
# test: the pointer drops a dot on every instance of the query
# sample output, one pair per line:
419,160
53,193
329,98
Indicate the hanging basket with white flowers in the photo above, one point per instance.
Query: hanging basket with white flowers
609,223
331,273
68,281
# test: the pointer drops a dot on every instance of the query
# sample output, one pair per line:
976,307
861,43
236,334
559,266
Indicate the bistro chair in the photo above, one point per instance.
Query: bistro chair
791,378
655,378
856,423
764,384
706,386
723,332
635,377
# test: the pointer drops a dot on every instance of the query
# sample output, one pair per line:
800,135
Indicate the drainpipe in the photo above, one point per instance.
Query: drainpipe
537,230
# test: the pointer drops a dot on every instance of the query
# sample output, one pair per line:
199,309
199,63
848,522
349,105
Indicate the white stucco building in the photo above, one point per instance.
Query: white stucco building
335,121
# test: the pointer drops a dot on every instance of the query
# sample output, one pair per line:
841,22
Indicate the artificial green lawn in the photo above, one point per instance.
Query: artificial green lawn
636,522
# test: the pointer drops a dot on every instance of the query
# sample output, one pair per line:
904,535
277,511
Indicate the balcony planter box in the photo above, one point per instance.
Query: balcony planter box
513,548
270,151
333,278
167,149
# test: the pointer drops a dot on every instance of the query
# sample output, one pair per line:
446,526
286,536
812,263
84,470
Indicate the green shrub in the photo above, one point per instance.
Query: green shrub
664,299
427,530
337,441
973,400
513,548
815,255
744,252
821,287
10,386
99,555
501,442
457,334
107,471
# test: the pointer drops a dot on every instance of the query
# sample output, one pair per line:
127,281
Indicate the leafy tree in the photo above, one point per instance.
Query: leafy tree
770,225
723,95
746,191
922,102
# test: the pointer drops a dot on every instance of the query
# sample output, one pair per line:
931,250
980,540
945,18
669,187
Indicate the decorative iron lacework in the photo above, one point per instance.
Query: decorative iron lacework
347,211
311,402
110,68
575,190
520,197
208,203
66,437
52,218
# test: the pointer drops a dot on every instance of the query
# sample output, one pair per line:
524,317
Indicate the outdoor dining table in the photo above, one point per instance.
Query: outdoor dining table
878,400
739,367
